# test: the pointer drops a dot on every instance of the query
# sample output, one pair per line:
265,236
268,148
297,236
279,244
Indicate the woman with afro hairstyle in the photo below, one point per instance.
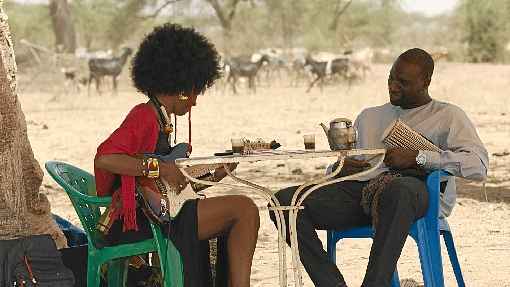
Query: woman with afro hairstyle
172,66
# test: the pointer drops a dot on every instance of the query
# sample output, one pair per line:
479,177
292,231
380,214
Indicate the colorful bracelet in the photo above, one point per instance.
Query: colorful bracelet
152,167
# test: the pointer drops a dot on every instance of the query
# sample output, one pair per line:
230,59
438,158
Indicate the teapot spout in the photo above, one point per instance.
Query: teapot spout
325,128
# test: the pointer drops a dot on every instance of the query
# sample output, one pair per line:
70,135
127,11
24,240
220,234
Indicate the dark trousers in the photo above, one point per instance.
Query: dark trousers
337,207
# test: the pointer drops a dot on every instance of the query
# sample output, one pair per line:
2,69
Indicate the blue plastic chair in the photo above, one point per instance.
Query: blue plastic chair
425,231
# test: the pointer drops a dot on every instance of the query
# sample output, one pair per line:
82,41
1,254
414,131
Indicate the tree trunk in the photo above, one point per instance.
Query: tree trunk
23,210
339,10
63,26
225,14
125,22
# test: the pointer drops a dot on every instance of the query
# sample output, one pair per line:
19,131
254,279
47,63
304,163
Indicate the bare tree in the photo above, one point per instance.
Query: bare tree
130,16
23,209
285,14
388,24
159,9
225,13
63,26
340,8
125,21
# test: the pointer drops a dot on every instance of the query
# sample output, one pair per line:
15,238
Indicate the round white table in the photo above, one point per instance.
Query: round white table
299,196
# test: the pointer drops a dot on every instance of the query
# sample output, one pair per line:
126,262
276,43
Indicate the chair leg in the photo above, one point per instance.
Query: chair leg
170,259
429,249
395,281
93,273
452,253
173,267
331,242
117,272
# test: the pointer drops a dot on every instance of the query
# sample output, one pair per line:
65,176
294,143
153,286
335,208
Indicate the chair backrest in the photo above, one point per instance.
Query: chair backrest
81,188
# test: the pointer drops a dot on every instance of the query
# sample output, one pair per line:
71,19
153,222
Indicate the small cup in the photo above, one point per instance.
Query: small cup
309,141
237,145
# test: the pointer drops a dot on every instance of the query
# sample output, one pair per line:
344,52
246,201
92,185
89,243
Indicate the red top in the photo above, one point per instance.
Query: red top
137,134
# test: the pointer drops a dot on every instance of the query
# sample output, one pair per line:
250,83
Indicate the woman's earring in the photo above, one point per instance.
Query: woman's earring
182,97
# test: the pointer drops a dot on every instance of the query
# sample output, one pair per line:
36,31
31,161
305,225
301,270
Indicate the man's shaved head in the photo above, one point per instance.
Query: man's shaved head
410,78
420,58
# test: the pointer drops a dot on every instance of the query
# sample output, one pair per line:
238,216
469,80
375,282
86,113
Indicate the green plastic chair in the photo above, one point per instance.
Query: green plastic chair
81,188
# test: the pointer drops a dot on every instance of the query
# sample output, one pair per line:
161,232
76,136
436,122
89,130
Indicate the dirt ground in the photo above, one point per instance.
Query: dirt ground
70,127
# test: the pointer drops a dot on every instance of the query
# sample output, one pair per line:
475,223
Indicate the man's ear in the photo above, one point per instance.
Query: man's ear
426,81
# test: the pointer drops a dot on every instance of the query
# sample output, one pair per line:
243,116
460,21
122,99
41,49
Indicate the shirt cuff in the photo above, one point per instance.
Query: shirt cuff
433,159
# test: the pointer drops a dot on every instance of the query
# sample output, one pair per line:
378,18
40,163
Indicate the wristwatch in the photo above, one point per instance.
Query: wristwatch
421,159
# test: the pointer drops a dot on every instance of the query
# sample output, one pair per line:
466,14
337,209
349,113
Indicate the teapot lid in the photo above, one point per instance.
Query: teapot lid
346,121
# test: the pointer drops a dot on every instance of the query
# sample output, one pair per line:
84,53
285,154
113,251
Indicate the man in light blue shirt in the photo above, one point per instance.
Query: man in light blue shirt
395,194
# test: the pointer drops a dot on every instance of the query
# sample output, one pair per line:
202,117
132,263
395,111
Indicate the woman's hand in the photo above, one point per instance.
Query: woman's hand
220,172
169,172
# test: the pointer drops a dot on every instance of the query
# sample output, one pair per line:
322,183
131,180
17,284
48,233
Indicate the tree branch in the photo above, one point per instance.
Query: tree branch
225,20
232,11
339,10
156,13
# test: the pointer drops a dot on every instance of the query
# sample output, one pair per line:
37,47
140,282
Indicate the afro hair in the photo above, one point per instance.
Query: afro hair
175,60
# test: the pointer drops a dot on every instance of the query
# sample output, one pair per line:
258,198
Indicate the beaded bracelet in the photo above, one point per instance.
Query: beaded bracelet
144,167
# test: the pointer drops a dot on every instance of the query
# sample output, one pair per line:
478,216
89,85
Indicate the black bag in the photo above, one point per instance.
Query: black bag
33,262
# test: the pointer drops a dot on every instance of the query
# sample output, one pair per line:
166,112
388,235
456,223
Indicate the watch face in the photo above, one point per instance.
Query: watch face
421,159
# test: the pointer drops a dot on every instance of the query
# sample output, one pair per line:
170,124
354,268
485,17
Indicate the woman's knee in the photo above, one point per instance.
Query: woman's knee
246,209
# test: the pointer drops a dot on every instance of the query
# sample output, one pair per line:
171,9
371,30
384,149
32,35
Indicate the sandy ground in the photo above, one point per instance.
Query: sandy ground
70,128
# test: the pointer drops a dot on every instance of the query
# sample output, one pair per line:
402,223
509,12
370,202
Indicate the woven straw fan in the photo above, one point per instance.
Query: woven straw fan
401,135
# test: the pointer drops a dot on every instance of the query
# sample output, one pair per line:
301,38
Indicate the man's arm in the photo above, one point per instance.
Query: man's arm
465,155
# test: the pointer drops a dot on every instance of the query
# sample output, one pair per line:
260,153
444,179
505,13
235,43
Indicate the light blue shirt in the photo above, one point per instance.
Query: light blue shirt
445,125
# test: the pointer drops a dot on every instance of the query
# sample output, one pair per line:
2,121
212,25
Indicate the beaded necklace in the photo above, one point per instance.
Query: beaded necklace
168,127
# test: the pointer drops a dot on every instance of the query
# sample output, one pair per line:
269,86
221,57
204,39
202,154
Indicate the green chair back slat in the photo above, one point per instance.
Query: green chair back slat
80,187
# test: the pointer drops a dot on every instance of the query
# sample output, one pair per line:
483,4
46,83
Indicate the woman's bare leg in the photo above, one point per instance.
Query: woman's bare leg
237,217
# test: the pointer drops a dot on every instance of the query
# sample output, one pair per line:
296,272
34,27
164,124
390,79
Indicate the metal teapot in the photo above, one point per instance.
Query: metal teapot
341,134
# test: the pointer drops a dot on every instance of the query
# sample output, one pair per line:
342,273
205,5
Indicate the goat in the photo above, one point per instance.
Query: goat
99,68
442,53
277,63
360,62
338,66
298,72
242,66
296,65
72,82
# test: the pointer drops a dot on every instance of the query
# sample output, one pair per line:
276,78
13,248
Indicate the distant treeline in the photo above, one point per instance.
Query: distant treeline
476,31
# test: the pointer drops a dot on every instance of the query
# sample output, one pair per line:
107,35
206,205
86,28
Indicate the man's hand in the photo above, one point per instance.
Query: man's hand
220,172
400,158
351,166
169,172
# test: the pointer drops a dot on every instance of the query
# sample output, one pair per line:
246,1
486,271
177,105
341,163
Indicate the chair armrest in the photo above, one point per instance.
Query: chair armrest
439,172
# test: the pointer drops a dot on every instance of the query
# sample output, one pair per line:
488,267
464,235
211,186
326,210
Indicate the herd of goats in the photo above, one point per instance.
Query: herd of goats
266,65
